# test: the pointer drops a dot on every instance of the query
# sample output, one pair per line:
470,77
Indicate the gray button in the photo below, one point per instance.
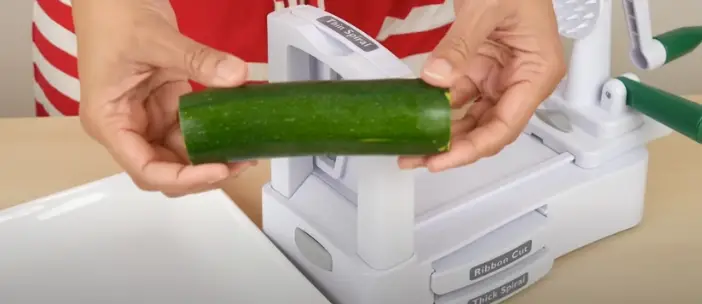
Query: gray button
555,119
312,250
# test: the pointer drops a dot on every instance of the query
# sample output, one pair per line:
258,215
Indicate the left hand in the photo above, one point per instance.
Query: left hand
134,64
507,56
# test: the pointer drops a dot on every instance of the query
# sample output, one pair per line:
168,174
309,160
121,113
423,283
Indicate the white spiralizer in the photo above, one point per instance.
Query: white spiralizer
364,231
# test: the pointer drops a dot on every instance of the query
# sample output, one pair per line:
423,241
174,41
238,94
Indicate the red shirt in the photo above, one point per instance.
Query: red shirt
408,28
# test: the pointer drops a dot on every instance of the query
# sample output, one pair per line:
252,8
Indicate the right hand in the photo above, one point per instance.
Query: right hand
134,64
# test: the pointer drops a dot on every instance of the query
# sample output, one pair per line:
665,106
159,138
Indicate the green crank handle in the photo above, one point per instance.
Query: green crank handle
682,115
680,42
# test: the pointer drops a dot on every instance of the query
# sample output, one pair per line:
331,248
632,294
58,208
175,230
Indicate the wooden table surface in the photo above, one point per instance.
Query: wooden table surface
660,261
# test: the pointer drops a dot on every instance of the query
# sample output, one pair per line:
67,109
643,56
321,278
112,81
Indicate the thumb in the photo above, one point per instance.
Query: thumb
475,21
201,63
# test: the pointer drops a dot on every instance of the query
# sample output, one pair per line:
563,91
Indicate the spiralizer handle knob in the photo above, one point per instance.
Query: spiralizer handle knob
680,114
680,42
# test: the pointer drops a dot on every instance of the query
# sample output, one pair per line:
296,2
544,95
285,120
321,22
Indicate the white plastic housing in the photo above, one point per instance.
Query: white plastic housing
590,58
599,125
611,130
306,43
551,203
364,232
385,211
613,99
578,95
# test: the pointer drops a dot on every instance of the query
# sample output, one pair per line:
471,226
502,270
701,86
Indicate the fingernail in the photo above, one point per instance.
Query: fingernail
410,164
219,178
230,70
214,181
439,69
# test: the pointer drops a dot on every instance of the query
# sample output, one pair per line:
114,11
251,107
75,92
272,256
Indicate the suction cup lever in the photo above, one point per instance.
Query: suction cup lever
680,42
678,113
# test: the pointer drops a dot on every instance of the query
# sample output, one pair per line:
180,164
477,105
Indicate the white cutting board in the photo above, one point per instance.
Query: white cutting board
108,242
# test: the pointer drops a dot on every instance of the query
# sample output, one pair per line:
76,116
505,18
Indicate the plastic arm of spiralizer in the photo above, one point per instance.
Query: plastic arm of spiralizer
651,52
682,115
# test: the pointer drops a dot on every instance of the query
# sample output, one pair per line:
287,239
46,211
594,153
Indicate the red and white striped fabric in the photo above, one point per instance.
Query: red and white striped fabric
408,28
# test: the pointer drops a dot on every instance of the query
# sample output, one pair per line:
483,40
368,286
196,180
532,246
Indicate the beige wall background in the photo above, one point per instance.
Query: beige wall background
681,77
16,97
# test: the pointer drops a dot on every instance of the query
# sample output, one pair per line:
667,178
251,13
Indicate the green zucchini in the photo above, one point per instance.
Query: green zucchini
349,117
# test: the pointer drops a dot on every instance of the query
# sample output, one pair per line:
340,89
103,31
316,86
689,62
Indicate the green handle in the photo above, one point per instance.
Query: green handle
680,42
679,114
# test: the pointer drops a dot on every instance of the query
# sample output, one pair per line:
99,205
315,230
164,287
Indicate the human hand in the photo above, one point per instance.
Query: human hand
133,65
507,56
